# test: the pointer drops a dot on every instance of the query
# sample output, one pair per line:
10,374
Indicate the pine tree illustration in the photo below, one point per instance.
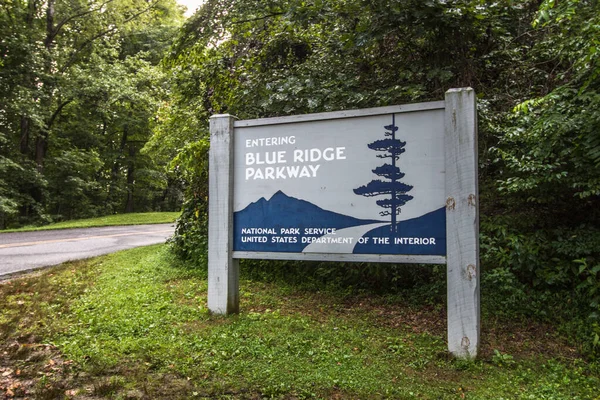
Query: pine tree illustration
392,187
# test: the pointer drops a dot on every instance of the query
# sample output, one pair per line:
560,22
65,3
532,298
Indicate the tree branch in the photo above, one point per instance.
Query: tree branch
108,31
258,18
72,17
56,113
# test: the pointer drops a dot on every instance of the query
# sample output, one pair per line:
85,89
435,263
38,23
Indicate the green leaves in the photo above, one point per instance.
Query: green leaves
552,149
79,88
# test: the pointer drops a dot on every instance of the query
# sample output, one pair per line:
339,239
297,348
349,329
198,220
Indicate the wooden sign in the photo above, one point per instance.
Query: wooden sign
390,184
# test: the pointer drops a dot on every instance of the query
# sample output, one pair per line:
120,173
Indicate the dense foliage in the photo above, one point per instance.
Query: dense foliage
79,88
533,64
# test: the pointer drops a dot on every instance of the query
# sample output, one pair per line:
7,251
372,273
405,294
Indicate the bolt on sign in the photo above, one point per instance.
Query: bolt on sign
390,184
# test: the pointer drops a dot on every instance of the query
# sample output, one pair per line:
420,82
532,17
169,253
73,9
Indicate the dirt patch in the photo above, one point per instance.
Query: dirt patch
29,369
524,339
521,339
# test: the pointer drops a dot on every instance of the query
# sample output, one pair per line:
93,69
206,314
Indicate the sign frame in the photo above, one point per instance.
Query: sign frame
462,214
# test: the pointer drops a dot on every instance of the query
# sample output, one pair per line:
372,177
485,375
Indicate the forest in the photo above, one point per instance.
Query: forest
104,108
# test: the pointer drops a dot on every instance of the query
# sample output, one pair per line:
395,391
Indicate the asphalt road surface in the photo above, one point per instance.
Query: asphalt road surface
25,251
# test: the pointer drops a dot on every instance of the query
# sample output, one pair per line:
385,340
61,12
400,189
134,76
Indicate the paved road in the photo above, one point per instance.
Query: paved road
23,251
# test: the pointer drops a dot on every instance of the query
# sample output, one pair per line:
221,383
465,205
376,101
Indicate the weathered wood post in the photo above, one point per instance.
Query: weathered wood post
462,222
223,270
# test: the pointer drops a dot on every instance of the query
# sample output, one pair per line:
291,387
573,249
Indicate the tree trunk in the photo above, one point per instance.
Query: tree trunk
130,178
114,173
41,145
24,142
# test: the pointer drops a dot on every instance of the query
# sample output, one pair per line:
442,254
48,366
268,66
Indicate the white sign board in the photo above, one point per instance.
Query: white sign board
364,184
391,184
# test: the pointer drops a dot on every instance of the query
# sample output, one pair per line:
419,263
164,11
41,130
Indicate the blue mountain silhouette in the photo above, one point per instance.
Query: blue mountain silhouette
283,211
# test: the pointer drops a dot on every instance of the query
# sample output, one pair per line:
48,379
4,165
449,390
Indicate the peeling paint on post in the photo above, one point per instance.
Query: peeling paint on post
223,270
462,223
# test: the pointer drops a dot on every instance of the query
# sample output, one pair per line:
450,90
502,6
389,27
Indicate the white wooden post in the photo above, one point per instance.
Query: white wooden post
223,270
462,223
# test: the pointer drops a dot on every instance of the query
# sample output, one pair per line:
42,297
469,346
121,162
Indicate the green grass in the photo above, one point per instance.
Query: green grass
119,219
135,324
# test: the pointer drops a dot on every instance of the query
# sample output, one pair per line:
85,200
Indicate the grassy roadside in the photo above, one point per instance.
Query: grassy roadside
134,325
109,220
